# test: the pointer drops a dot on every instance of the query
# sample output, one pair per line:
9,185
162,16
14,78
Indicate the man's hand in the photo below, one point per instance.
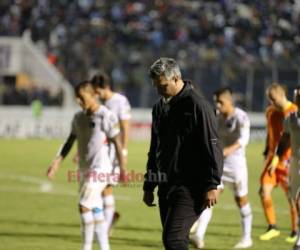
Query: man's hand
226,152
271,169
149,198
272,166
211,197
53,168
231,149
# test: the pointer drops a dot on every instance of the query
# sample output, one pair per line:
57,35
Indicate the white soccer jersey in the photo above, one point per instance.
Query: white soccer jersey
92,133
231,130
120,106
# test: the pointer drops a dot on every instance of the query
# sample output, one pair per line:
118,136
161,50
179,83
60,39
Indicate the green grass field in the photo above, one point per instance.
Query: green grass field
32,218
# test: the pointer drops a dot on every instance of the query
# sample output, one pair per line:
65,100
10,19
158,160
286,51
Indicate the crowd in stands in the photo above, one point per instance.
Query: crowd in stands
124,37
14,96
20,90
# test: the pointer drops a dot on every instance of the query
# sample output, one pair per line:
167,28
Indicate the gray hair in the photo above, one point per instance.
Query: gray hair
167,67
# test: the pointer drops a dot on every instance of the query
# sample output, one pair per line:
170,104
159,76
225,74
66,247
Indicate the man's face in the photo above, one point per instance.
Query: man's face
165,87
86,98
223,103
102,93
275,98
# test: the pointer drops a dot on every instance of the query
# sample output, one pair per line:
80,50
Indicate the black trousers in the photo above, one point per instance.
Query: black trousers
179,209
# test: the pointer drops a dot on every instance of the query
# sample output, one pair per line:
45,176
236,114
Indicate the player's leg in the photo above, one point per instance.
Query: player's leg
294,189
246,221
178,213
284,183
241,198
109,206
198,234
101,225
87,227
297,243
268,182
91,208
197,238
111,215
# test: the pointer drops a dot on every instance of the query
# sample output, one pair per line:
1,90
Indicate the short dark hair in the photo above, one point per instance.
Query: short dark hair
101,80
224,90
81,85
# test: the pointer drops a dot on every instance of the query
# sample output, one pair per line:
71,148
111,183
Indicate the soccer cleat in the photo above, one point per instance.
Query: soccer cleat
243,243
270,234
114,221
292,238
197,242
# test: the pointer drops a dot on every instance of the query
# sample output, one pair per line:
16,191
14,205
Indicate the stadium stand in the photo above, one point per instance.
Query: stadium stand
241,43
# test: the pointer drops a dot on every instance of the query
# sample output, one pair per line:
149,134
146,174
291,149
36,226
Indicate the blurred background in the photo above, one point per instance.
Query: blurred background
46,47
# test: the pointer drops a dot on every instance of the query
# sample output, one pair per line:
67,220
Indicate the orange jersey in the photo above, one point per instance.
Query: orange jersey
275,120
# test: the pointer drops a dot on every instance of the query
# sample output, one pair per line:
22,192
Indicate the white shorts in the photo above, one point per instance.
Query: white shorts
294,178
236,179
90,189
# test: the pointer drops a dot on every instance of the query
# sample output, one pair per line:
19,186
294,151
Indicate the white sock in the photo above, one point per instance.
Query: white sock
109,208
101,235
298,238
87,228
101,230
246,214
203,220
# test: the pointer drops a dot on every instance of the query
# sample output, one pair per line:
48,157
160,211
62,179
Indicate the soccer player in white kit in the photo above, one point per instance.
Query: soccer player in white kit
234,132
291,138
92,127
120,106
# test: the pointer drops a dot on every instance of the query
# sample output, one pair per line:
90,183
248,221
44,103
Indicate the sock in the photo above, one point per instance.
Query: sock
203,220
109,209
269,210
246,214
298,240
298,237
101,229
87,228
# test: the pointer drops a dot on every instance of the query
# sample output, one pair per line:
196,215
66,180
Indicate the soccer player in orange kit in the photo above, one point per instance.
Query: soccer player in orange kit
276,173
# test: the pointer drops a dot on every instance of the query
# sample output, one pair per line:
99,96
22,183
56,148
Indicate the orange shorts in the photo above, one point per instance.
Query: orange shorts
279,177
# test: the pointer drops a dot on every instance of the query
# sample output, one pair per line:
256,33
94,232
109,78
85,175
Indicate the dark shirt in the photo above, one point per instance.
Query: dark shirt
184,146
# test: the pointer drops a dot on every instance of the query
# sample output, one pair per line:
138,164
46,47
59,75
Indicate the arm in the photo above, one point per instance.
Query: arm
62,153
266,150
244,124
149,182
116,140
125,128
207,127
231,149
124,115
283,145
